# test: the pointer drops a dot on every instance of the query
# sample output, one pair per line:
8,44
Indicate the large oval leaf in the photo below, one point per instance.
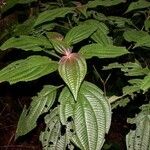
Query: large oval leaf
79,33
28,69
139,139
102,51
40,104
92,117
50,15
25,42
72,68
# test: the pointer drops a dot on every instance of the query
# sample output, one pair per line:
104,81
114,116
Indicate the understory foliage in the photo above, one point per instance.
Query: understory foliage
69,38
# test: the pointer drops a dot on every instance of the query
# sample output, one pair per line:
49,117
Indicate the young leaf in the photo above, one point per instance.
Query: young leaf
140,4
92,117
101,51
25,42
51,138
140,137
66,105
79,33
28,69
40,104
72,68
50,15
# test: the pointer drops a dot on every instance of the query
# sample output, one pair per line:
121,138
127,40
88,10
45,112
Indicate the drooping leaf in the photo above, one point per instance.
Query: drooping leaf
101,51
50,15
51,138
143,41
28,69
72,68
92,4
66,105
145,85
92,117
79,33
39,105
140,137
140,4
25,42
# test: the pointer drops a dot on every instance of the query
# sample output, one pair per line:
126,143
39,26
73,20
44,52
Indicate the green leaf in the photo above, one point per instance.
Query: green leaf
28,69
51,138
140,4
60,46
50,15
102,38
66,105
140,137
134,35
147,24
79,33
72,69
92,4
145,85
143,41
26,43
39,105
101,51
92,117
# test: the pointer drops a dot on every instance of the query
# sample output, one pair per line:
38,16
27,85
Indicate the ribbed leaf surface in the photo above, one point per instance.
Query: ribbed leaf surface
51,138
92,117
66,105
50,15
25,42
40,104
79,33
28,69
101,51
139,139
72,68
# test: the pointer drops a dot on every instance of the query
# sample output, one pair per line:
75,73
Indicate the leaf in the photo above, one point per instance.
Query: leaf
92,4
26,43
50,15
60,46
79,33
140,4
102,38
72,68
51,138
145,85
140,137
39,105
134,35
143,41
101,51
28,69
66,105
92,117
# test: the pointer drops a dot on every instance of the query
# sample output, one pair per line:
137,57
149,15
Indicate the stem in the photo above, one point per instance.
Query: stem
53,54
